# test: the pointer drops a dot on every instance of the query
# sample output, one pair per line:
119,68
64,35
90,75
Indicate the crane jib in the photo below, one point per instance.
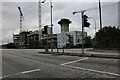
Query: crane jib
21,14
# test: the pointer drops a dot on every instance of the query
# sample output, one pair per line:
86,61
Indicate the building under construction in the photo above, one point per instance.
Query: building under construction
21,40
30,39
16,40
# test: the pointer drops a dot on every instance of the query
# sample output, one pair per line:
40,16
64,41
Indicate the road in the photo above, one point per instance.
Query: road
28,63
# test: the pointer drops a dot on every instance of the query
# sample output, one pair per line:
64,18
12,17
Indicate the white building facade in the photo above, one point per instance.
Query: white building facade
62,39
73,38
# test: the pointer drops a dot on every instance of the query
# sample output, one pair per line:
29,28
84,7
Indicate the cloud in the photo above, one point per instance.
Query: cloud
60,10
60,0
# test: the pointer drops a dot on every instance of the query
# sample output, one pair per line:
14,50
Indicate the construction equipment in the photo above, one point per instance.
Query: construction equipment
39,16
21,18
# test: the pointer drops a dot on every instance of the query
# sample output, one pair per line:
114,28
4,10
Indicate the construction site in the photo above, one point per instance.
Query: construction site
44,36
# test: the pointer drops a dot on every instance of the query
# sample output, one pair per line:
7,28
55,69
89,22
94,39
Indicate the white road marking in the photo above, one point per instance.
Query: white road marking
114,74
24,72
103,72
75,61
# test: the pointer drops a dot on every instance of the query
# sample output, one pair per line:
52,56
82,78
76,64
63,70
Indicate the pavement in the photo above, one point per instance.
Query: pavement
28,63
87,53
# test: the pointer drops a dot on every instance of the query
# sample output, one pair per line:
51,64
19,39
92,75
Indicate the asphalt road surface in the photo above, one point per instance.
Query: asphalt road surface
28,63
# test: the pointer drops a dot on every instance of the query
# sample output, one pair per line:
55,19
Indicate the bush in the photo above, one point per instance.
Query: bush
108,38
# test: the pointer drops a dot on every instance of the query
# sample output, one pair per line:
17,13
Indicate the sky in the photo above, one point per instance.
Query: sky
61,9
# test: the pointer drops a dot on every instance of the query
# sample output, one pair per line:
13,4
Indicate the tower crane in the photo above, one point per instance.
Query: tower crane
39,16
21,18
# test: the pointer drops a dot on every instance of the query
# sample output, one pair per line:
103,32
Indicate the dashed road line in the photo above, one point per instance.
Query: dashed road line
24,72
97,71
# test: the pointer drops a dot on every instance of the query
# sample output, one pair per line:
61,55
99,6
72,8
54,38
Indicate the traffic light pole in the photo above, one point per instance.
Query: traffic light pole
82,15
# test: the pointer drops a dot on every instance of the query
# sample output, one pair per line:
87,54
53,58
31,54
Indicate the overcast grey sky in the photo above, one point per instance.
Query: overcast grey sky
10,16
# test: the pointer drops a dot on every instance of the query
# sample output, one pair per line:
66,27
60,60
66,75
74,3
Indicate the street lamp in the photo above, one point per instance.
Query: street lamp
100,14
82,15
94,21
51,26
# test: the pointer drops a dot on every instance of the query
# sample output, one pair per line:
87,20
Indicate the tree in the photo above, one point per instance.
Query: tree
108,38
10,45
88,41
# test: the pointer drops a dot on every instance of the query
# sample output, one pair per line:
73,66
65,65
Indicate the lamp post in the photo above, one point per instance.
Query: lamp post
119,14
100,14
94,21
51,26
95,25
82,16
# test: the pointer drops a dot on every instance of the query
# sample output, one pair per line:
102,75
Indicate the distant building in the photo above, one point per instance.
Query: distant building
47,39
24,39
21,40
64,24
33,36
46,30
33,39
29,39
77,37
49,30
66,38
62,40
16,40
70,39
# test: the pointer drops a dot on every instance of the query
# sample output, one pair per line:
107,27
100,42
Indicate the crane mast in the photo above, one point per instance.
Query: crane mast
21,18
39,16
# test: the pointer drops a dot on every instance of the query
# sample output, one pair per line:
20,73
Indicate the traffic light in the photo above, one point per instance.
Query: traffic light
45,30
86,24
